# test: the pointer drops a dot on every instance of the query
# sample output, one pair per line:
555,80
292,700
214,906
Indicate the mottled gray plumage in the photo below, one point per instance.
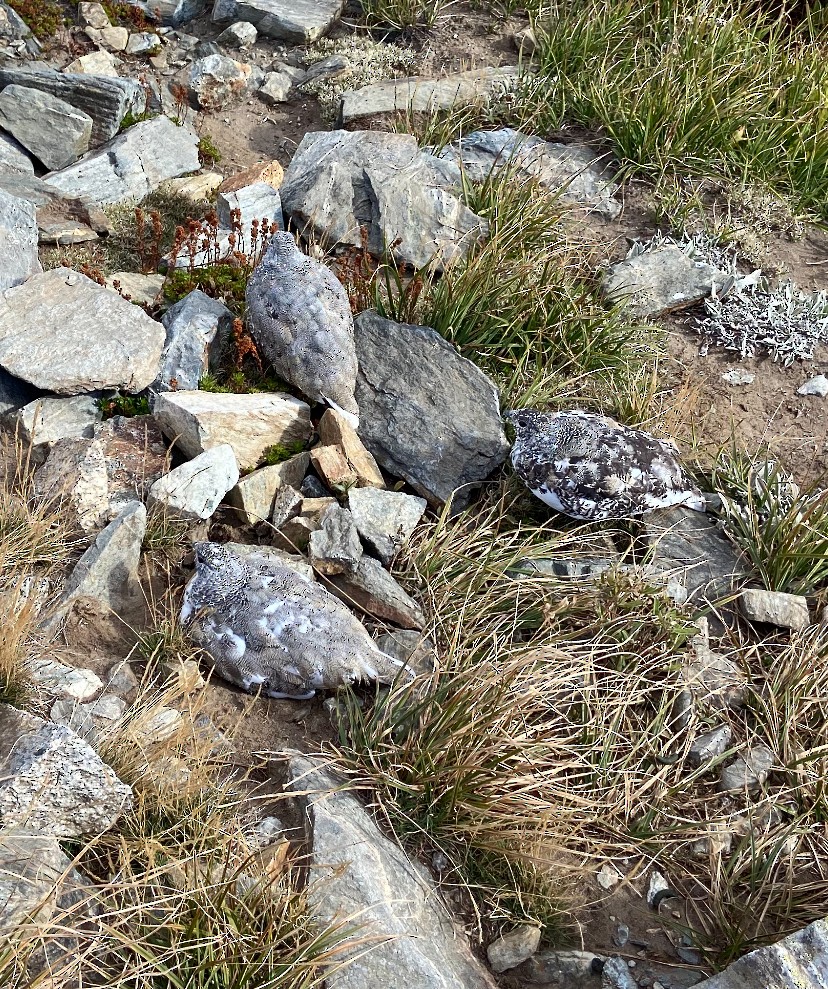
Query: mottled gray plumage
267,628
299,316
590,467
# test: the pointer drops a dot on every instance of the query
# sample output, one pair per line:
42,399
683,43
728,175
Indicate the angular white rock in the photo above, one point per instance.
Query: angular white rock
815,386
47,420
195,489
775,608
199,420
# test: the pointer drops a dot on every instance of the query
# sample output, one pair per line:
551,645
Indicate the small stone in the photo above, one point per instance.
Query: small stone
256,202
122,681
621,935
608,876
375,591
335,430
738,376
115,38
143,43
195,187
286,506
385,519
314,508
748,770
195,489
658,890
815,386
616,975
99,63
198,337
251,424
335,548
333,467
327,68
710,745
275,88
312,487
714,680
93,15
242,34
294,535
57,680
216,81
410,647
269,829
775,608
268,172
255,494
514,948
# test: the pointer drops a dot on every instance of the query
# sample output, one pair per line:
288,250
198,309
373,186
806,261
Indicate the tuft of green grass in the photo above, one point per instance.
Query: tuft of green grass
279,452
698,88
208,154
226,282
402,15
123,405
782,530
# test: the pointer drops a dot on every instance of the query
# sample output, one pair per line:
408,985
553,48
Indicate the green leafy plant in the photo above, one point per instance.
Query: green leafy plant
280,452
123,405
42,17
208,154
402,15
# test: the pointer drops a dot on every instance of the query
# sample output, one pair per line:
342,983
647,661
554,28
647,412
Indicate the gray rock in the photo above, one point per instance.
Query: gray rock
409,647
12,25
198,334
62,332
49,128
657,282
93,15
259,201
57,681
39,888
251,424
242,34
710,745
714,681
571,170
428,415
216,81
122,681
512,949
799,960
385,519
44,421
342,181
298,21
143,43
13,157
286,506
690,546
276,87
89,797
616,975
99,63
374,590
107,100
748,770
775,608
424,95
171,13
738,376
114,38
137,288
108,570
255,494
355,871
335,548
18,241
14,393
325,68
89,720
133,165
814,386
195,489
312,487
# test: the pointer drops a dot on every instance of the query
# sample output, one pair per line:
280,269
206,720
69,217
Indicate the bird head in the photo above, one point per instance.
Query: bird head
281,249
521,419
220,569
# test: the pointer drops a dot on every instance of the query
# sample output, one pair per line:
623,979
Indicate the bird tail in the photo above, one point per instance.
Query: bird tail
352,417
389,670
695,501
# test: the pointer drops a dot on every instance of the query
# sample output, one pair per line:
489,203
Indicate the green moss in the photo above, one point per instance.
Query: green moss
225,282
208,154
246,382
278,453
136,118
123,405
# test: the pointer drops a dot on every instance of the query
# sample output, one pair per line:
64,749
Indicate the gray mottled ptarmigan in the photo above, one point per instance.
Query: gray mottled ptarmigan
589,467
299,316
267,628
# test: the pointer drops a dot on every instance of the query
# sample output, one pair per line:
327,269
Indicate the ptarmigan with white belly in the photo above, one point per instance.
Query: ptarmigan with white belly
590,467
268,629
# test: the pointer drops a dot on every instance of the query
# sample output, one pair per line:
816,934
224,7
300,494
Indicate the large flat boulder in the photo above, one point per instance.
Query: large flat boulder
251,424
427,414
424,95
51,781
51,129
340,183
18,241
63,333
106,99
357,874
297,21
132,165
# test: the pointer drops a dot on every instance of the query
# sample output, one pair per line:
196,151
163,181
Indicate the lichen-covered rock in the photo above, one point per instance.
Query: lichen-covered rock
18,241
385,519
45,421
52,781
216,81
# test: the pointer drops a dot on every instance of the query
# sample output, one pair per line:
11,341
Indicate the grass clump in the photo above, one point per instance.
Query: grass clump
123,405
402,15
208,154
226,282
691,88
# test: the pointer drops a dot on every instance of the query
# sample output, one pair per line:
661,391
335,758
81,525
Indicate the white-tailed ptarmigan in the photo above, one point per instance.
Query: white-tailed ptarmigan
299,316
267,628
590,467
